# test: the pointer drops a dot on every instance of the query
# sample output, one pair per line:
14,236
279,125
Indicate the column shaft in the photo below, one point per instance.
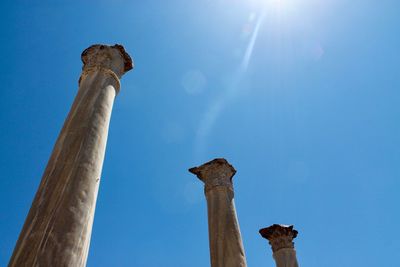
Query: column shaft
285,257
226,246
58,227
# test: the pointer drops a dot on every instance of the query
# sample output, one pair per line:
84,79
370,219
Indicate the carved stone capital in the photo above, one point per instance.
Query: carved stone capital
113,59
217,172
279,236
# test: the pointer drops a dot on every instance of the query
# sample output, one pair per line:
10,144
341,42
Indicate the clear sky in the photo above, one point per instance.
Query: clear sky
301,96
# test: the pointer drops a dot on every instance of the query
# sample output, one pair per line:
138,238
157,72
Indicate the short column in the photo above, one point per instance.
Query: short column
226,248
280,238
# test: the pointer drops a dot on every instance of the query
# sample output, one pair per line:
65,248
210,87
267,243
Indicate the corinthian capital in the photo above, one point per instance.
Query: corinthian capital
279,236
217,172
110,58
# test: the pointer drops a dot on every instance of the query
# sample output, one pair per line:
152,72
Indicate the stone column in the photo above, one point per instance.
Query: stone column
58,227
226,248
281,240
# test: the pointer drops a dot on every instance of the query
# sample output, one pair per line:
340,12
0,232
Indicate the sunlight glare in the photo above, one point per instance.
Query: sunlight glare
270,4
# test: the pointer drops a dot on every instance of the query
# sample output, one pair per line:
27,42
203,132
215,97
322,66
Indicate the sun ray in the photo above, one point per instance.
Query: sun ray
250,46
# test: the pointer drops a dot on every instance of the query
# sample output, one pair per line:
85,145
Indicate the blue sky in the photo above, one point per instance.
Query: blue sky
301,96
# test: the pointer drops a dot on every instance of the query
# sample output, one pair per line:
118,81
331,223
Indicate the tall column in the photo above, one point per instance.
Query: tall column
58,227
226,248
281,240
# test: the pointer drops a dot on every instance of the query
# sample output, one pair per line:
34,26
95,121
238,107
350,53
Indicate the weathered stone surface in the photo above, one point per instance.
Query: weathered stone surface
226,248
281,238
58,227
